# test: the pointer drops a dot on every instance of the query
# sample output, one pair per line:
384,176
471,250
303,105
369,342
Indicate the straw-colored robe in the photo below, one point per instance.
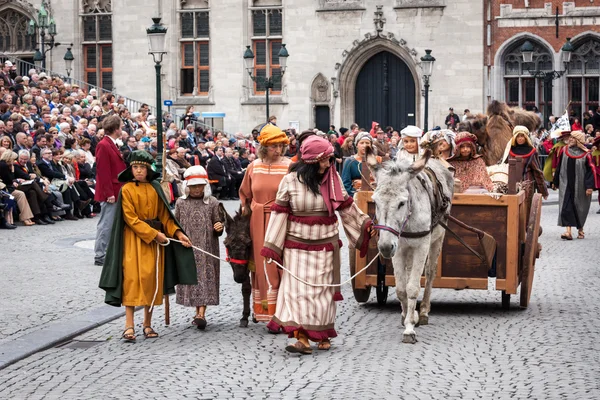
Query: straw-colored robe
141,202
259,189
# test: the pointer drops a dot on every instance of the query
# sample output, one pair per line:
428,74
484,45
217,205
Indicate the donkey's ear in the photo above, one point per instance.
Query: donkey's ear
371,158
420,164
225,216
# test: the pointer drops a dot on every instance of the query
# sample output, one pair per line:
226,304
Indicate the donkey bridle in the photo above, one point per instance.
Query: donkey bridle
234,260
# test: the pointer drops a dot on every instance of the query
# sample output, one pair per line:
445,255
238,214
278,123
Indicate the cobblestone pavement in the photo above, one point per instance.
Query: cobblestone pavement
471,349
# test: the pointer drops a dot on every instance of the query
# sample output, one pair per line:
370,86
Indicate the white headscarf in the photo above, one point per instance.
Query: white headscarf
196,175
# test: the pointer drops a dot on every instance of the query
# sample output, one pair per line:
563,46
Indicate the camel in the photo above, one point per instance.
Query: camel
238,243
409,231
494,130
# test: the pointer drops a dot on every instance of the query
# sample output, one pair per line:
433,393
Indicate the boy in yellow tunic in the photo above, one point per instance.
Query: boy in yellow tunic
132,275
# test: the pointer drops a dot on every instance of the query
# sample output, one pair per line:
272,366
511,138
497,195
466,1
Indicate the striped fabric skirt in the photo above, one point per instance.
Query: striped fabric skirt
300,307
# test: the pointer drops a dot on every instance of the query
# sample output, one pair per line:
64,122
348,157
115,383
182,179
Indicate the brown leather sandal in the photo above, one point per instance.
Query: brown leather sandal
581,235
299,347
324,345
128,337
150,333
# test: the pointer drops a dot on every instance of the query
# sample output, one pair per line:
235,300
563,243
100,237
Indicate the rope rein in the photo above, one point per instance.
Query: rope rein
169,240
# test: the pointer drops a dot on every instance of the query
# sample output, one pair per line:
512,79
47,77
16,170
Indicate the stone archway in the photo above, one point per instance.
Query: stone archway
358,56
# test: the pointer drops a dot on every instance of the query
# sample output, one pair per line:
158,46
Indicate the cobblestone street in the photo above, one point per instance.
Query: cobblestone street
471,349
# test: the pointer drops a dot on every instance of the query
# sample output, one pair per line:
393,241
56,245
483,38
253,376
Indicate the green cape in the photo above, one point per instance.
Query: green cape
548,173
180,265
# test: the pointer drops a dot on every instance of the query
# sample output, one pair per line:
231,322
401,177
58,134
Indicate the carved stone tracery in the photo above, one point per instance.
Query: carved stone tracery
320,92
97,6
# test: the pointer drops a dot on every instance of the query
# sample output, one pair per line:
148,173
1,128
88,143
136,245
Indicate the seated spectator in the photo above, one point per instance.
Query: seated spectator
38,201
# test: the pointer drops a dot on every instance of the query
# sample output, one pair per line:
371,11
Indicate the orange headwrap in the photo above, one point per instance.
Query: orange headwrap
271,134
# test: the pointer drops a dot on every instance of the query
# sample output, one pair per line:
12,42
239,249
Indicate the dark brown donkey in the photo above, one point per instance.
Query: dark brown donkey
237,244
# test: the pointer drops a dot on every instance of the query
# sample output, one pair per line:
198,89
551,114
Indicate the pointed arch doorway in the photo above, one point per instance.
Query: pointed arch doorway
385,92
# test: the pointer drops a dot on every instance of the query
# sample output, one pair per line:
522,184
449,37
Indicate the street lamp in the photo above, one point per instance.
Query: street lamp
38,59
267,81
157,34
427,66
548,76
45,27
69,61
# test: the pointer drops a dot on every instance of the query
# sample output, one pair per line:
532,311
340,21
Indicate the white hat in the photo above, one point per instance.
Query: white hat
411,131
196,175
8,63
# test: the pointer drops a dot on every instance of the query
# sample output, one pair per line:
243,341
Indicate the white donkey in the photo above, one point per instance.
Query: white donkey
410,200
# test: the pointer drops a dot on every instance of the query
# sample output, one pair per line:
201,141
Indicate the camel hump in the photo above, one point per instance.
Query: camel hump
497,108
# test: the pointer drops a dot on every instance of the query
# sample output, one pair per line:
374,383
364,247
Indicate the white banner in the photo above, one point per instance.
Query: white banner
562,124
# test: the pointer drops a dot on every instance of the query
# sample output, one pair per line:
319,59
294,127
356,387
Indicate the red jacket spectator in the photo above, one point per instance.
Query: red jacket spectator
109,164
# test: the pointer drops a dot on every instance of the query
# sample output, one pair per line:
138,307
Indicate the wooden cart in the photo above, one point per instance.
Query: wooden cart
512,220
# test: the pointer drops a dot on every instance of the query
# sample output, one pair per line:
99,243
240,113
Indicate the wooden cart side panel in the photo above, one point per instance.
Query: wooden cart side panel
513,243
457,261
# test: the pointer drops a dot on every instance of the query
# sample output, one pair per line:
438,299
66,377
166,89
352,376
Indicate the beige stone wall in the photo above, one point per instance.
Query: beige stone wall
317,41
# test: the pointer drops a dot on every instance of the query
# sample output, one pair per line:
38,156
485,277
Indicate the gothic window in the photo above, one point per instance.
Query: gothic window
195,54
583,76
521,88
267,31
96,22
13,32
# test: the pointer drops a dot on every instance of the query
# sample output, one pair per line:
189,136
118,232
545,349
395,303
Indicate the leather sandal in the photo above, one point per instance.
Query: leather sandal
200,322
150,333
128,337
566,236
299,348
581,235
324,345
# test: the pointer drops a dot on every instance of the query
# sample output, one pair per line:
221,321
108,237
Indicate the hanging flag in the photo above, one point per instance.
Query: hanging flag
562,124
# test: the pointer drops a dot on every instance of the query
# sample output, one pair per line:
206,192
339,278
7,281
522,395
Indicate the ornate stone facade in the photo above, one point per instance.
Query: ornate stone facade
329,42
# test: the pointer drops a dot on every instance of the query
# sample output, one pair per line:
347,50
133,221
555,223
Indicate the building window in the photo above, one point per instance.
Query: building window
195,54
97,44
13,33
583,77
267,30
522,89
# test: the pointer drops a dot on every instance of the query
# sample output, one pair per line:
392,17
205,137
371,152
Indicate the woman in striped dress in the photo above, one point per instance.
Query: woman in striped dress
302,235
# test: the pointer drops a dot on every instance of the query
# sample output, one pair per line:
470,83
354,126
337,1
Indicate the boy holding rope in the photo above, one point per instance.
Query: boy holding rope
140,265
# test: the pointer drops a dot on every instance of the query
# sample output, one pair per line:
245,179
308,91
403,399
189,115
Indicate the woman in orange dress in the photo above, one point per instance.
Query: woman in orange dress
257,193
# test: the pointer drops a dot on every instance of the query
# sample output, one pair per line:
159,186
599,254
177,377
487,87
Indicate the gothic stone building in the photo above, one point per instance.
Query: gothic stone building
350,60
547,25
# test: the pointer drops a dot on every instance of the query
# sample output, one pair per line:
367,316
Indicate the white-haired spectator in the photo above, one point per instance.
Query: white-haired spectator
31,72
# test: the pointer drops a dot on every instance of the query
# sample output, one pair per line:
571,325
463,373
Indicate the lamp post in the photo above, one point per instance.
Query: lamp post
156,41
267,81
69,61
46,27
427,66
547,76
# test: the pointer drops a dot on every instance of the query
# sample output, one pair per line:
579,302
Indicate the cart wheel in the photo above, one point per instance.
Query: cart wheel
361,295
382,295
532,249
505,301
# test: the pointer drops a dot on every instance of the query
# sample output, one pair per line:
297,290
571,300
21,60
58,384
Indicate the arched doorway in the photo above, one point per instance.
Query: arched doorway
385,92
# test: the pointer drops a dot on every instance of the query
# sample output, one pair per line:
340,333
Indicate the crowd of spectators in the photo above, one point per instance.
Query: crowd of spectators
49,129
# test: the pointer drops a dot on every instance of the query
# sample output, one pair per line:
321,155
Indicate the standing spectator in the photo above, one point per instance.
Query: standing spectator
235,171
466,114
383,148
109,163
217,171
452,119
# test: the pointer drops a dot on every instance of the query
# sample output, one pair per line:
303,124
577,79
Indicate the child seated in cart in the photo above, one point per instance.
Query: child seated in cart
469,167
